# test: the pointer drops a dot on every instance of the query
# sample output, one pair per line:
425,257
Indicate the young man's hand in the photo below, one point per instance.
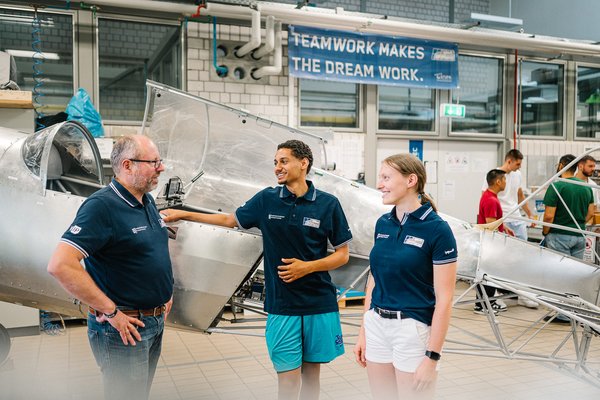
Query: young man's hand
294,269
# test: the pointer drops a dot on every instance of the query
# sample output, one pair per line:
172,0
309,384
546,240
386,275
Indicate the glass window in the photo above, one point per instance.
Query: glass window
129,53
541,89
481,93
406,109
327,103
43,55
588,102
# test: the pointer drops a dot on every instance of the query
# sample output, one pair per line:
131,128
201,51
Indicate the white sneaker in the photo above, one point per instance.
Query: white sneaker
510,301
525,302
500,305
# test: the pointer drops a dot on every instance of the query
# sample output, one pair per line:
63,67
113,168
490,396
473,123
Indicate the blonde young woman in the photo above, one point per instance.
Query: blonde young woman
409,293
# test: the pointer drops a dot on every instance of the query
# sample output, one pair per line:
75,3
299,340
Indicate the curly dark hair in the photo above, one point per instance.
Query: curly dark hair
299,150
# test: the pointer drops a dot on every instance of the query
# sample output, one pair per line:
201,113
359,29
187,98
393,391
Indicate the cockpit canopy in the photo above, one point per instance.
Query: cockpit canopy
65,158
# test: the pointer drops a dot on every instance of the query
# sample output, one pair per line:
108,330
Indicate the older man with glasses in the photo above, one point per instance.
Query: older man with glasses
127,280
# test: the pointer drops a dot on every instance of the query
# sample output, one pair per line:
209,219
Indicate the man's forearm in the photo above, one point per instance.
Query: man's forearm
335,260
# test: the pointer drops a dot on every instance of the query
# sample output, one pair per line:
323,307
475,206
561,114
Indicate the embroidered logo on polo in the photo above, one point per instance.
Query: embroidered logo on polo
449,251
275,216
75,229
382,236
139,229
312,222
414,241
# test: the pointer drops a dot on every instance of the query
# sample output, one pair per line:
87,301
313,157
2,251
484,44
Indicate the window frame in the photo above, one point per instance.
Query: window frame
360,109
74,14
96,51
576,66
412,133
565,101
504,101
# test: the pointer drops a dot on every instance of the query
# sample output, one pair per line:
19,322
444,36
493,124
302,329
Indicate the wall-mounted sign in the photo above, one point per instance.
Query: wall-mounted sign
328,54
415,147
452,110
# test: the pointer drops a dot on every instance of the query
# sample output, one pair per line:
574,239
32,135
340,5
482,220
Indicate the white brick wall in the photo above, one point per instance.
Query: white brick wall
267,97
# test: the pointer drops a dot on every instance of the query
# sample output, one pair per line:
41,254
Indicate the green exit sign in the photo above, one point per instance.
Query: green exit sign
453,110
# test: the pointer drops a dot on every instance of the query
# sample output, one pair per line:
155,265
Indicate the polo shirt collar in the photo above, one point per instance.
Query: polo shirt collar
125,195
310,195
420,213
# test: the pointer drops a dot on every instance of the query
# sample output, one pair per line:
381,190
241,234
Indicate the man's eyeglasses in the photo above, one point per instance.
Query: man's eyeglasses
155,163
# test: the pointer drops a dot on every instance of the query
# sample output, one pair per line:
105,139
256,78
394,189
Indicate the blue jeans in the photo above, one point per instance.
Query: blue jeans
566,244
127,371
518,227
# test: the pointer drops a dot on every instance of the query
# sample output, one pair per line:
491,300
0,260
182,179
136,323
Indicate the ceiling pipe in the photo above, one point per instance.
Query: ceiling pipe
274,69
254,36
325,18
269,39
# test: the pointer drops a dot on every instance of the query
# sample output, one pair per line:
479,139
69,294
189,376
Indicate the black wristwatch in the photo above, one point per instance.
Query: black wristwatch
433,355
112,314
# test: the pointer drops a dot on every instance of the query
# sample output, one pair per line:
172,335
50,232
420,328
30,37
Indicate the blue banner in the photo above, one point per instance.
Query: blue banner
328,54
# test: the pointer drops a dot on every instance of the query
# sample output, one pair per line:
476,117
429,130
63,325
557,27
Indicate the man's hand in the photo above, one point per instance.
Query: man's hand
509,231
294,270
126,326
168,306
532,223
171,215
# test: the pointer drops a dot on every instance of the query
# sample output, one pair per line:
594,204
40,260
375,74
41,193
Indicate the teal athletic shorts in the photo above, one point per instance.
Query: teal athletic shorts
294,339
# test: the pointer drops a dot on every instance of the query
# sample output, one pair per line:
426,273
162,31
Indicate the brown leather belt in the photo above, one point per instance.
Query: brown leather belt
154,312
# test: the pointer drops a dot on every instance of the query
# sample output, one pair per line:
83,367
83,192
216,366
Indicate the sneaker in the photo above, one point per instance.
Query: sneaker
499,306
525,302
481,311
510,301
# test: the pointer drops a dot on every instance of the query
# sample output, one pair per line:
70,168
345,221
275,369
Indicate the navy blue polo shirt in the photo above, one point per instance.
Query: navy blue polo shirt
296,227
125,245
403,258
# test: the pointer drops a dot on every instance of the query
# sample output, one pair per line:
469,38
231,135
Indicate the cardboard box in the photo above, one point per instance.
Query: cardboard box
596,218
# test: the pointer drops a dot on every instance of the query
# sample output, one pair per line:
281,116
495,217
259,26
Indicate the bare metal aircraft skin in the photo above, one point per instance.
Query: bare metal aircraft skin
223,157
45,178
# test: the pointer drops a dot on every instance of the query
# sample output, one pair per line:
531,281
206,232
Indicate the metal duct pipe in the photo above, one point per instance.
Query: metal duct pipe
269,39
254,36
274,69
324,18
161,6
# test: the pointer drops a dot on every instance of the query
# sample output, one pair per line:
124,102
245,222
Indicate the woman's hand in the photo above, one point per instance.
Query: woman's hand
360,347
425,374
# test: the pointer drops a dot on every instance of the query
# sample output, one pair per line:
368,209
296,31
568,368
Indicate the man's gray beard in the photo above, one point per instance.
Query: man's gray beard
144,186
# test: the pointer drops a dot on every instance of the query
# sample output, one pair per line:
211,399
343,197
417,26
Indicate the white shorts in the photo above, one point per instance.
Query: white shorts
402,342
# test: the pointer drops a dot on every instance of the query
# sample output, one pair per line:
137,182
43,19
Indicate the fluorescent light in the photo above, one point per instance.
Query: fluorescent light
25,20
31,54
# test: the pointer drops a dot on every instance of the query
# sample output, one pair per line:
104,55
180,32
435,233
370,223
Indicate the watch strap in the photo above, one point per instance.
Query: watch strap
112,314
433,355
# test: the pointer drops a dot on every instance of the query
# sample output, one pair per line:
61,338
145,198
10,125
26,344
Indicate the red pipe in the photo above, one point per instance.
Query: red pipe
515,105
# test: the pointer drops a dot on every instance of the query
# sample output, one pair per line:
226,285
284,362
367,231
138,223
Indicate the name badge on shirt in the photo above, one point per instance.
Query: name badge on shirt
312,222
414,241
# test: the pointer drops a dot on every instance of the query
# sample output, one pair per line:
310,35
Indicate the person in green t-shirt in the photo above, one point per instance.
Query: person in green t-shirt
580,202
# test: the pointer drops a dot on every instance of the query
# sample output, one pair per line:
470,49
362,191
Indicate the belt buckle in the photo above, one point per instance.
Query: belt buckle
158,311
